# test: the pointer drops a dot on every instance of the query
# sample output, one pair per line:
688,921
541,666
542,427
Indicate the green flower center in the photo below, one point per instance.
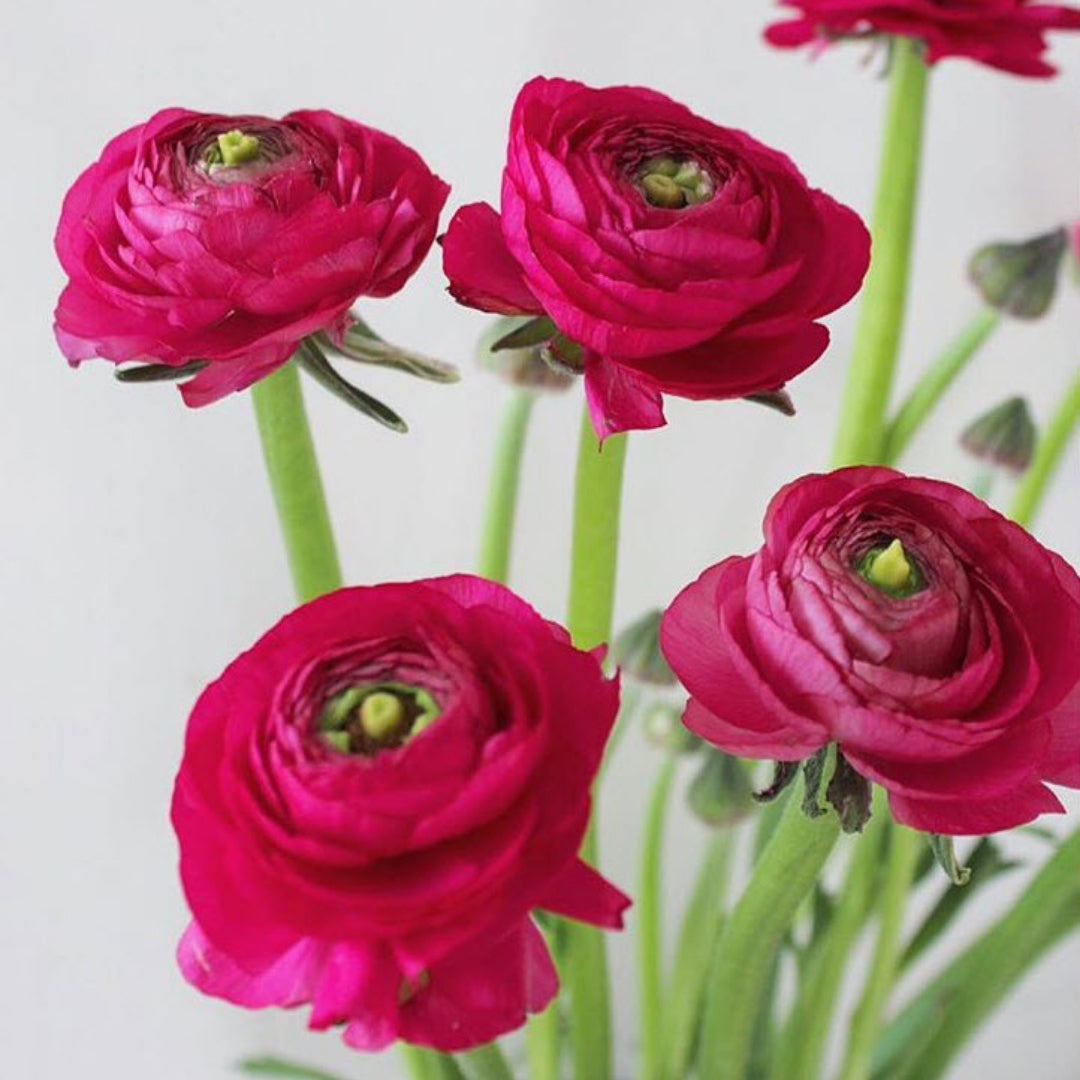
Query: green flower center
367,719
231,148
889,569
674,184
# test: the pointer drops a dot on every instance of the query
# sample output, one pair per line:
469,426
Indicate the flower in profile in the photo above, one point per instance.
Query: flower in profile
658,252
212,246
375,798
1006,34
936,642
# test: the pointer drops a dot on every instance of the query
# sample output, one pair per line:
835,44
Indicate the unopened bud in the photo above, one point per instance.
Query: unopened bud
636,651
1019,279
1003,436
722,793
513,348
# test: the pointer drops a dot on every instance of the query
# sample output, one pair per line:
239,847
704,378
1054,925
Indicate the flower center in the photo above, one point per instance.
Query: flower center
674,184
889,569
367,719
230,149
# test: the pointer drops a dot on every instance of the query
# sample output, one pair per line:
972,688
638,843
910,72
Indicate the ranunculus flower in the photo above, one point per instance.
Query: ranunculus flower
374,798
673,256
228,239
935,641
1005,34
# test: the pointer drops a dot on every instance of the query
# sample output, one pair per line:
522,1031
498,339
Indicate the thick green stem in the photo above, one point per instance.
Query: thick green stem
497,538
484,1063
964,995
1048,456
597,501
651,924
295,482
933,383
884,296
783,877
802,1047
904,848
543,1043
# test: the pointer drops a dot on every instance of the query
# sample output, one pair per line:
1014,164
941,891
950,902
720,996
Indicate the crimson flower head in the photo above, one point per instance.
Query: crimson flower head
659,252
223,241
1006,34
374,799
936,642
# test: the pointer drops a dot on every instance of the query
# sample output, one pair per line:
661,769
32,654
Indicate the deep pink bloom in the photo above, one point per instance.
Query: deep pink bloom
706,286
174,255
960,696
1006,34
390,884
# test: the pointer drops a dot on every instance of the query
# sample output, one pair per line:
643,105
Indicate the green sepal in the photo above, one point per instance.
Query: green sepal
312,360
362,344
813,774
534,332
849,795
152,373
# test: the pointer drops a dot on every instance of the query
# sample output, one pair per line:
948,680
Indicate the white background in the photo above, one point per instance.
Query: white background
139,547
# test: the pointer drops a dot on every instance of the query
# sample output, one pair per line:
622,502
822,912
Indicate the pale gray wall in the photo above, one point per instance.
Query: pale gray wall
139,546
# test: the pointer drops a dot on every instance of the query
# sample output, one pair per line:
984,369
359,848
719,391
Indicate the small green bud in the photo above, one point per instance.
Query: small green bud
722,793
1003,436
636,651
513,348
1019,279
236,148
381,715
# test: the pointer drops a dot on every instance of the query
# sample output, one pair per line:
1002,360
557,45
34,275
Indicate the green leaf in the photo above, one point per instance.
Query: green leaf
152,373
312,360
287,1070
367,348
534,332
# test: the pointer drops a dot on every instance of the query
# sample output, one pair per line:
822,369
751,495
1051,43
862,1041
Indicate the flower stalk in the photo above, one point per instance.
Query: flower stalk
296,484
496,541
884,297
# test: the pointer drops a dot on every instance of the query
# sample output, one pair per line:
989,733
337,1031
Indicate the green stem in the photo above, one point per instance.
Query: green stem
295,482
964,995
802,1048
650,922
904,848
1048,455
502,498
786,872
484,1063
701,923
542,1043
597,500
884,296
933,383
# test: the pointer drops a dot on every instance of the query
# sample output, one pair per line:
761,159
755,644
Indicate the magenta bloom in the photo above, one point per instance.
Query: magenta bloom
375,797
673,256
949,672
228,239
1006,34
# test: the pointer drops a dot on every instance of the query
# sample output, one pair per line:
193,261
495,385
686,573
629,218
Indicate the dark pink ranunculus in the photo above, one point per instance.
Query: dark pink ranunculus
228,239
678,256
1006,34
375,797
935,641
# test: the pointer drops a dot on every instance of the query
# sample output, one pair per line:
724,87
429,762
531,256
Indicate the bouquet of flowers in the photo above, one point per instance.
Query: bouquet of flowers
385,807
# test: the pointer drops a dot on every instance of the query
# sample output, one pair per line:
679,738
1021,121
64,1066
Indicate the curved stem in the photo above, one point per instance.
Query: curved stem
650,922
296,484
884,296
802,1047
502,498
597,501
1048,454
786,872
933,383
904,848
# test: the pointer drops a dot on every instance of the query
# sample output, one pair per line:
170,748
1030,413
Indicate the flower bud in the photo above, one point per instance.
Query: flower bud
722,792
664,728
513,347
1004,436
637,651
1019,279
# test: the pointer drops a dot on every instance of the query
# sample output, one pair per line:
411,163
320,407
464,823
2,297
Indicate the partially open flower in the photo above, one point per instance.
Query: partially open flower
934,640
1006,34
662,253
375,798
213,245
